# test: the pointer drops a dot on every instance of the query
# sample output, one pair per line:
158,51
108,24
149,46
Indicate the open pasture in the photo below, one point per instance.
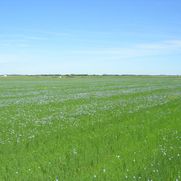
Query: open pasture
101,128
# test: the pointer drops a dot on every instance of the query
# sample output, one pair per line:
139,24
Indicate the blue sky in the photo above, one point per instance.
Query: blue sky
94,37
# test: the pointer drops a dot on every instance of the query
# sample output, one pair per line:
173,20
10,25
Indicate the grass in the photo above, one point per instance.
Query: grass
89,129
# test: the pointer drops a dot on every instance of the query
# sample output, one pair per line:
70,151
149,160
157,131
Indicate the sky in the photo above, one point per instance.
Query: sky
92,37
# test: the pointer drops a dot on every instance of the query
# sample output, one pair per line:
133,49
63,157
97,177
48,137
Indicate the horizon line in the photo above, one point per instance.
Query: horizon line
84,74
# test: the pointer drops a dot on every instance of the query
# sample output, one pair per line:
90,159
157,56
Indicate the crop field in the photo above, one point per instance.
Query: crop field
97,128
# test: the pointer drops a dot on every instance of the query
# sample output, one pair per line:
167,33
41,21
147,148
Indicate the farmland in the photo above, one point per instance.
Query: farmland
104,128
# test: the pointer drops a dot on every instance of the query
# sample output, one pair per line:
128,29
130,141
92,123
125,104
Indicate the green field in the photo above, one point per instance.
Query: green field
107,128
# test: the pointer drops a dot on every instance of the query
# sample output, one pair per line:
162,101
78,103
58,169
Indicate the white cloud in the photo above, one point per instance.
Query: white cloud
165,45
147,49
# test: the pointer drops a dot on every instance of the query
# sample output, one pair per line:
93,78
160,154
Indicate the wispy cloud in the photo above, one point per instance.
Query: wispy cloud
24,37
165,45
10,58
146,49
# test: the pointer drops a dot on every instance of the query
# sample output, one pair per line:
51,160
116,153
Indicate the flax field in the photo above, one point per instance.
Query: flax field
92,128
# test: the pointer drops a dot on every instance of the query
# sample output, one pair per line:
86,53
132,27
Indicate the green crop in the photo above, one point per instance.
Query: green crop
110,128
